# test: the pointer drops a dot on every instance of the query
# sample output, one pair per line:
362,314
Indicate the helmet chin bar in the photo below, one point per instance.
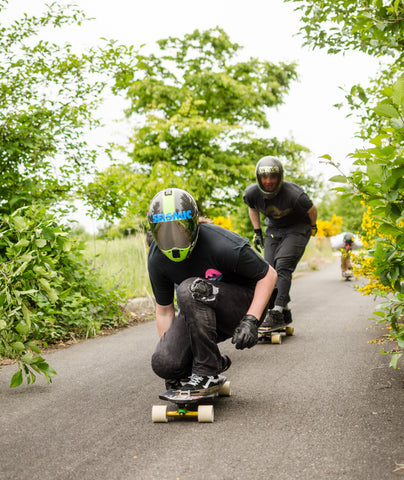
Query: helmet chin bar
177,254
180,254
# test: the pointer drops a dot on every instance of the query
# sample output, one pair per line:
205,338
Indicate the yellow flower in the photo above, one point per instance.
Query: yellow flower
223,222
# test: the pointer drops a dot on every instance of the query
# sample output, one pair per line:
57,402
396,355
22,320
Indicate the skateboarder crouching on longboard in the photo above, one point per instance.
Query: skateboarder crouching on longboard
223,291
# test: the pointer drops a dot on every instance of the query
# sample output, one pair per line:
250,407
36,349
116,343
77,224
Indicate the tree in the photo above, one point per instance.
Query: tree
375,27
199,113
48,98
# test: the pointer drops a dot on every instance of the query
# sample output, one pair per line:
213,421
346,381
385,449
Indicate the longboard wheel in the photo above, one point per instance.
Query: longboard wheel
276,338
225,389
289,331
206,414
159,414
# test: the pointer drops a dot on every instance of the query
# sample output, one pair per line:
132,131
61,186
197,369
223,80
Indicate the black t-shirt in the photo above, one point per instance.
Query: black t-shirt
289,207
218,249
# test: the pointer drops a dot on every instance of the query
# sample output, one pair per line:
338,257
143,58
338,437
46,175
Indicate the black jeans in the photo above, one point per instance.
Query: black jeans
190,344
283,252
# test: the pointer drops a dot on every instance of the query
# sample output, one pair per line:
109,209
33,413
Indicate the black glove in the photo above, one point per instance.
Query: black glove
246,334
314,230
258,239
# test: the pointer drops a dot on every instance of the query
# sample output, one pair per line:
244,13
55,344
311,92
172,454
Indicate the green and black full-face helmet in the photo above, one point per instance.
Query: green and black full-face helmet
269,167
173,218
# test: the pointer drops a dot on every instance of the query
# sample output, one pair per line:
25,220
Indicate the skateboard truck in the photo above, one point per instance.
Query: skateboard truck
274,335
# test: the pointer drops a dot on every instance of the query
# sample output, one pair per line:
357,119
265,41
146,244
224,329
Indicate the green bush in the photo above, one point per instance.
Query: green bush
48,291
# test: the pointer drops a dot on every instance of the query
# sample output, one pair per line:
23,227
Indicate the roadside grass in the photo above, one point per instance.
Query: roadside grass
121,261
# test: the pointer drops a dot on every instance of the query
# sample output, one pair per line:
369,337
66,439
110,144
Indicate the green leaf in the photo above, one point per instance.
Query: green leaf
18,346
27,358
22,328
22,243
33,347
45,368
19,223
48,234
398,92
388,229
27,316
40,242
397,123
16,379
386,110
338,179
394,360
374,172
25,258
67,246
37,360
44,283
3,325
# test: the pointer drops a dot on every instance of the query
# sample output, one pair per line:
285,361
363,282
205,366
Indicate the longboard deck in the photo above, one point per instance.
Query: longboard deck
274,329
183,397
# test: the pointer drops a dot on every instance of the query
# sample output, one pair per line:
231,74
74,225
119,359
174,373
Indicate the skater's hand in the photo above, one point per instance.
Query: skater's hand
246,334
258,239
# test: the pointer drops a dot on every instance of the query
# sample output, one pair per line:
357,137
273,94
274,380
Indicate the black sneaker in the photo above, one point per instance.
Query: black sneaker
274,319
287,316
199,382
226,362
174,383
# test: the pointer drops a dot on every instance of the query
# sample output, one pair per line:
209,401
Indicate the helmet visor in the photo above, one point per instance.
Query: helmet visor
171,235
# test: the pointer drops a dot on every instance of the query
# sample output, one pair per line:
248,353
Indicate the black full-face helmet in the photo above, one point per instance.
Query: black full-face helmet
173,219
268,167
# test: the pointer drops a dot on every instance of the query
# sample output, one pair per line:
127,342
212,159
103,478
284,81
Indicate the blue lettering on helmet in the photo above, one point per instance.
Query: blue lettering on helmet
171,216
177,216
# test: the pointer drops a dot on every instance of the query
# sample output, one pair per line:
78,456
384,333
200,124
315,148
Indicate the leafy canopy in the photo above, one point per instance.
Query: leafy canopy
198,113
48,97
374,27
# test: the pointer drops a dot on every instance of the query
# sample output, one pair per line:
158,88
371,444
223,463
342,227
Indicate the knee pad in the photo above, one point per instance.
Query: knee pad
203,290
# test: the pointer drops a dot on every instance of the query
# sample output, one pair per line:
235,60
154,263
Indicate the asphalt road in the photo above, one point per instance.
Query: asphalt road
322,405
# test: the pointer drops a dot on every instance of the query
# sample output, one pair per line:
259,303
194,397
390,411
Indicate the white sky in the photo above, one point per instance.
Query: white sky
267,30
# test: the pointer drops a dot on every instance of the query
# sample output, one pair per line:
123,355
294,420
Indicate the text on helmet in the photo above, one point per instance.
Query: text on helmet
171,216
268,169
